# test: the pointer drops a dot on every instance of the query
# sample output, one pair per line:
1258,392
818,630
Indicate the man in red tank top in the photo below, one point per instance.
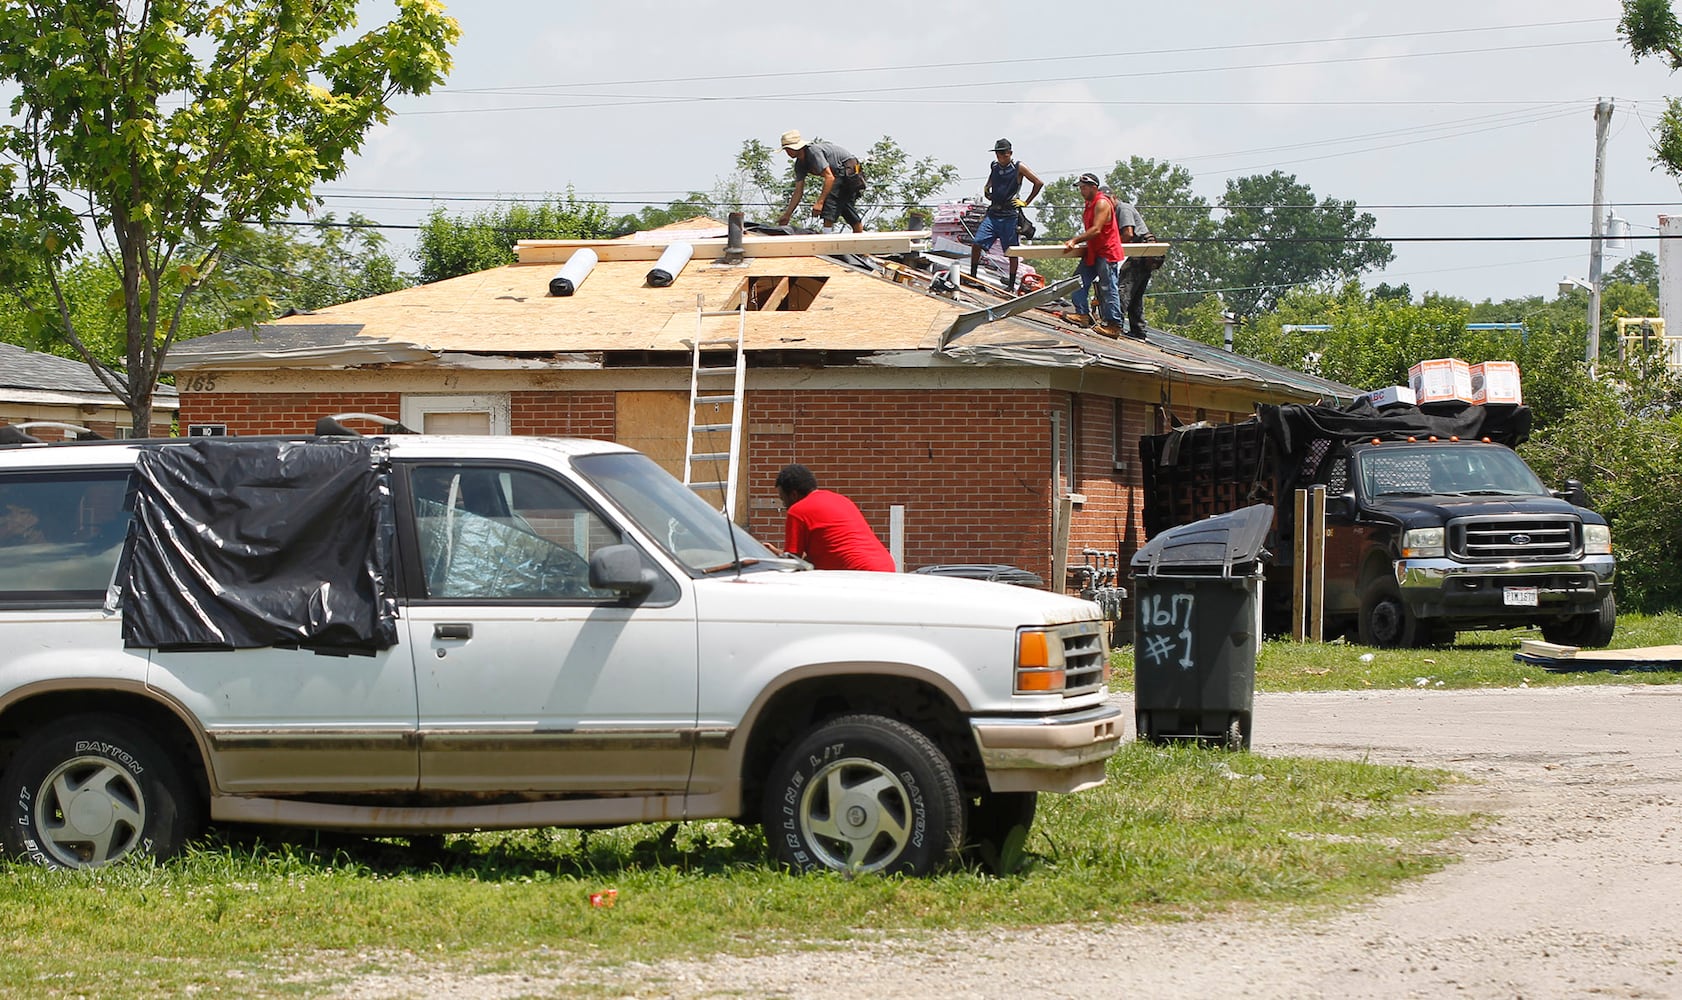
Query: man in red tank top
1102,259
825,528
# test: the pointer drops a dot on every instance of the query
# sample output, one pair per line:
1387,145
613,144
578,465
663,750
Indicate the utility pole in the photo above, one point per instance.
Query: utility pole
1602,119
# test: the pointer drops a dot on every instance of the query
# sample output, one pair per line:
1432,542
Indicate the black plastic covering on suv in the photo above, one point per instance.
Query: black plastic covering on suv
267,542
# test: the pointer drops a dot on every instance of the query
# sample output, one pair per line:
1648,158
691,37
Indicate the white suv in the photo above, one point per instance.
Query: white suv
413,634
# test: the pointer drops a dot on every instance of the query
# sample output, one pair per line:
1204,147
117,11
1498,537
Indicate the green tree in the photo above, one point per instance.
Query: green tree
1162,191
1641,269
1622,438
1650,28
1274,236
653,217
454,245
155,129
1267,235
333,263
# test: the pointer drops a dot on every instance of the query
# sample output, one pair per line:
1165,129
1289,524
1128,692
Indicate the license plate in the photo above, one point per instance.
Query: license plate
1519,597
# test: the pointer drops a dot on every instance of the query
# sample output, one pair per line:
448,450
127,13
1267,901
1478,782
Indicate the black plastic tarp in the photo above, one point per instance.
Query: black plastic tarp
267,542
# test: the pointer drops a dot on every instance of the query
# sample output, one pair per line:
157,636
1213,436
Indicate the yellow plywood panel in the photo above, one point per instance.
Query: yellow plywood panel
1046,251
509,310
655,422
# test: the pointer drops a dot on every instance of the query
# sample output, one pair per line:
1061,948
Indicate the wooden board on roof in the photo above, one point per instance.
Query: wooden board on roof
645,247
509,310
1047,251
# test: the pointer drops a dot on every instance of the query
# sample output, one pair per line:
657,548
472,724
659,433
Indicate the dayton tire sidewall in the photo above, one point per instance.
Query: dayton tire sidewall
935,822
167,808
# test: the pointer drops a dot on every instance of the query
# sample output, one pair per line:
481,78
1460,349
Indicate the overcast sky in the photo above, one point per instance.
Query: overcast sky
1444,119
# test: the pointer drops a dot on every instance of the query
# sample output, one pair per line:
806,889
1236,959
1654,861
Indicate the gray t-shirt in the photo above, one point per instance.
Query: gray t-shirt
818,156
1126,215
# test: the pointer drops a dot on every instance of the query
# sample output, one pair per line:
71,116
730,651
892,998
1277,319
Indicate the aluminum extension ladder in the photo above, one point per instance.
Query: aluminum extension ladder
707,399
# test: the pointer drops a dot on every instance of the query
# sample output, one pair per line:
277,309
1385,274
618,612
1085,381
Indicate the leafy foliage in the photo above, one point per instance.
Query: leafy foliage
450,246
156,130
1621,435
1268,234
1650,28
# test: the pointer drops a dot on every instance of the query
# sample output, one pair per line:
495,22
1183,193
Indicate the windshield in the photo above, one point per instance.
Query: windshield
690,530
1446,470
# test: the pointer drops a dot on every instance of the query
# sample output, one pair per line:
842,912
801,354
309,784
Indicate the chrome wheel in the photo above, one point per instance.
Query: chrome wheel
857,815
89,812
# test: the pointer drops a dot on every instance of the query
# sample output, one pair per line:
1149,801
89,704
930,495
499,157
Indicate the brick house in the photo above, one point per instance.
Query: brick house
982,416
44,387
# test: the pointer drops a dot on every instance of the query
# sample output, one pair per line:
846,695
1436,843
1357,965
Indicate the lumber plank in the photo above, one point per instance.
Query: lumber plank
1047,251
559,251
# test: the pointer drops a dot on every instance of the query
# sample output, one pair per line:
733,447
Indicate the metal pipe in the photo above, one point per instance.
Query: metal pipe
733,251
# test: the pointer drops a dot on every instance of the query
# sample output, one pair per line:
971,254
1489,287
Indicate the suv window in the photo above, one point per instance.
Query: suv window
492,533
61,534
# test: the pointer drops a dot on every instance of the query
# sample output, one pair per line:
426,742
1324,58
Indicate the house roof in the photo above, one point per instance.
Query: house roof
851,294
29,376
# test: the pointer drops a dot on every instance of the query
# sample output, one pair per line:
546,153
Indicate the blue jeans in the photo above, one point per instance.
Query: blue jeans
1109,294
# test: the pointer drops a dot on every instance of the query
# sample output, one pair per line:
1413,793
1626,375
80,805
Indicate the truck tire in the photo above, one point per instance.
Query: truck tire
1386,621
1591,631
90,790
864,793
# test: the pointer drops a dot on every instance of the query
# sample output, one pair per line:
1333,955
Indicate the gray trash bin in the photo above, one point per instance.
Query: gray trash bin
1197,628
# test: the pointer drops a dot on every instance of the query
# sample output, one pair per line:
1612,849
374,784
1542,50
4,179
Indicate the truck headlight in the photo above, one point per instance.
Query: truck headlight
1039,662
1420,542
1597,540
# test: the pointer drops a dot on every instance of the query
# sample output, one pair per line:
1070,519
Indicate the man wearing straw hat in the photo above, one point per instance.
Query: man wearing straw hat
843,180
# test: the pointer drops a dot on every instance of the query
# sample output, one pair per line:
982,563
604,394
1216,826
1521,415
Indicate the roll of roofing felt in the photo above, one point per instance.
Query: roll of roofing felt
573,273
670,264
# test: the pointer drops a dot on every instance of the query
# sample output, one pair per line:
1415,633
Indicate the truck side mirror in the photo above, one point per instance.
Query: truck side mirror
1340,506
1575,494
620,568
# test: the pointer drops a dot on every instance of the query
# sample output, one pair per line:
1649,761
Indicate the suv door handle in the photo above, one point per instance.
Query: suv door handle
452,630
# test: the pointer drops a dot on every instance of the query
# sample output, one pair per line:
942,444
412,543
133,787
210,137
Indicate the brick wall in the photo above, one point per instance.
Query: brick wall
971,467
563,414
279,412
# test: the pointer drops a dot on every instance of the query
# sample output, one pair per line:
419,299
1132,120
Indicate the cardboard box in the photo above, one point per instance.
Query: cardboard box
1496,382
1441,380
1394,395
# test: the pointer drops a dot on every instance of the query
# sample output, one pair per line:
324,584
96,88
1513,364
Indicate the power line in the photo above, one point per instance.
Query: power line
855,70
635,100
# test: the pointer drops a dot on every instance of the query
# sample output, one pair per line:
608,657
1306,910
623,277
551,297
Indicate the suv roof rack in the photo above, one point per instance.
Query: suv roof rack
18,433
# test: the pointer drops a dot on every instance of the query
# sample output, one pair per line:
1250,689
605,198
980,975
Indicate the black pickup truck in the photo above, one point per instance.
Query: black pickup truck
1434,523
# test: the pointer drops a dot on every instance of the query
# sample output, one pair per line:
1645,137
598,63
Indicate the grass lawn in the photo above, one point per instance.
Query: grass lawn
1174,832
1475,660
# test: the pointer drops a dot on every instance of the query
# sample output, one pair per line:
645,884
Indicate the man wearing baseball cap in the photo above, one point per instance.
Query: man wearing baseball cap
1004,202
843,180
1102,258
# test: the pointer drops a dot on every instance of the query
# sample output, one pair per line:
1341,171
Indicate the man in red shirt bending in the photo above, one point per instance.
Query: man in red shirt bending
825,528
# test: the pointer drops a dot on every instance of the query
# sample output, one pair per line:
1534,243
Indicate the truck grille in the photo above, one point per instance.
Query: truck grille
1508,539
1083,657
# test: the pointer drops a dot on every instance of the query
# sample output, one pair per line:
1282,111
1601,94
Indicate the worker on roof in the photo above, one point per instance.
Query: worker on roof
1005,203
1135,272
843,180
1101,260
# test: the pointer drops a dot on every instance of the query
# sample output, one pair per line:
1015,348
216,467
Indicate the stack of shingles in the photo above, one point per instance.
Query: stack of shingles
953,233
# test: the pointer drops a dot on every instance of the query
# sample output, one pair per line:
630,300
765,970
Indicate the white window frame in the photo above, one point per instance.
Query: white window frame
416,407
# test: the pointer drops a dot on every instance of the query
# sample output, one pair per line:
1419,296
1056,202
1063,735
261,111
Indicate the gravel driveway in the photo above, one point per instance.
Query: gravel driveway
1575,892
